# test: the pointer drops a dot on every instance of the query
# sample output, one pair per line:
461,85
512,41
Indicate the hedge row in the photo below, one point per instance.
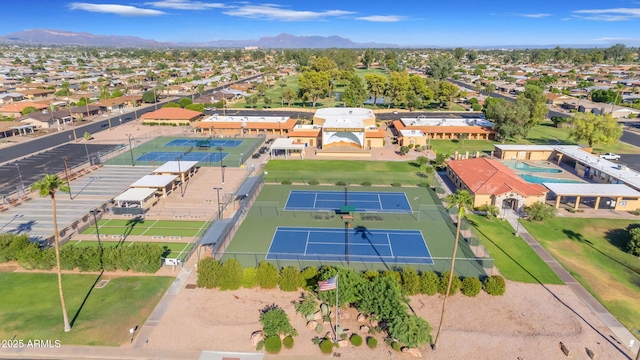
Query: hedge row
231,275
146,258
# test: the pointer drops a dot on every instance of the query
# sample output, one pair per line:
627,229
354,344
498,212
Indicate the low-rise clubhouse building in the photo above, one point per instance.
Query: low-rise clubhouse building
418,131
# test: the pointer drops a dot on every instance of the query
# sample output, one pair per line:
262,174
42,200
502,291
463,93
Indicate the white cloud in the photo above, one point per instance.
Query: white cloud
533,16
382,18
615,14
276,12
123,10
185,5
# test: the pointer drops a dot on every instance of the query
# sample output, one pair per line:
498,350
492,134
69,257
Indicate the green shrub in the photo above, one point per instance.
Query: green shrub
249,277
308,305
540,211
267,275
319,328
396,184
396,346
356,340
495,285
326,346
260,345
471,286
410,281
394,275
341,183
313,182
444,281
490,210
411,330
635,212
11,246
429,282
372,342
371,274
276,322
288,342
208,272
285,182
424,184
308,277
290,279
273,344
366,183
230,275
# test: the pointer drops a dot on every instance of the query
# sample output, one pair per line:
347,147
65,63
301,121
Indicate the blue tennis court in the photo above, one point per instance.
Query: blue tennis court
212,142
303,200
365,245
162,156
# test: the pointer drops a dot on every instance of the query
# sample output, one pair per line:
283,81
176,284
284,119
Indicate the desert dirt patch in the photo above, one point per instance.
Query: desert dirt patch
529,321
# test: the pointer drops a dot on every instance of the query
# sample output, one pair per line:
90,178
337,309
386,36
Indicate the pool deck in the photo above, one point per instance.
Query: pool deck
566,174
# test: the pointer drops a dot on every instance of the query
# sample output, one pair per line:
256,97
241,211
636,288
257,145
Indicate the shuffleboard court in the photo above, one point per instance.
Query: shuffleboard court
163,156
311,200
212,142
352,244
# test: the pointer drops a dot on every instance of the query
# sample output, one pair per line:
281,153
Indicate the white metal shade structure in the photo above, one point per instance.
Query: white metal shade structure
135,198
184,169
287,146
163,183
617,194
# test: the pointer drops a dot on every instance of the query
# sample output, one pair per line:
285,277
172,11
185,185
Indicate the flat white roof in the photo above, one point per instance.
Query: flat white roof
411,133
350,118
524,147
244,119
606,190
135,194
423,121
285,144
172,167
154,181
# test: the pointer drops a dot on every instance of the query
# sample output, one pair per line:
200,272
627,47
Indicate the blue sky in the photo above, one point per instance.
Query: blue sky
404,22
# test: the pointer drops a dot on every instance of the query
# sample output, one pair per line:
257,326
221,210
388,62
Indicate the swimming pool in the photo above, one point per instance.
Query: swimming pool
519,165
539,179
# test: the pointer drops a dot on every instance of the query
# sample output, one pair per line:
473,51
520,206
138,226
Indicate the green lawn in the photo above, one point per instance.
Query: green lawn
513,257
31,307
349,171
591,250
449,147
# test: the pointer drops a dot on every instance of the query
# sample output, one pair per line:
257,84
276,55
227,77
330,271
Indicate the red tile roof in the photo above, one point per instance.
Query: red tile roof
485,176
172,114
379,133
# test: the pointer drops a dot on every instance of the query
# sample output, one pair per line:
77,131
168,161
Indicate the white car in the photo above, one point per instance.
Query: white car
610,156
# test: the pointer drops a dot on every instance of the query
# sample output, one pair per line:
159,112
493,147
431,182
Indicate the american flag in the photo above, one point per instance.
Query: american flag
329,284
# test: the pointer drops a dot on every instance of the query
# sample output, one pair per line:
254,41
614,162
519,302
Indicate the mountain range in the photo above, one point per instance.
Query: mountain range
281,41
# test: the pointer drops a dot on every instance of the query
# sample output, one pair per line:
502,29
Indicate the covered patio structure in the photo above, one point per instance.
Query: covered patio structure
134,201
162,183
183,169
598,196
286,146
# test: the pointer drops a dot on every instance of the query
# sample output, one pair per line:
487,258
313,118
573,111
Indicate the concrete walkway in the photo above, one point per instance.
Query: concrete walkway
624,337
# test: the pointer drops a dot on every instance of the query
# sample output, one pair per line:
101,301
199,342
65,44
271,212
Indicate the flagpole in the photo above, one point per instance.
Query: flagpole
336,329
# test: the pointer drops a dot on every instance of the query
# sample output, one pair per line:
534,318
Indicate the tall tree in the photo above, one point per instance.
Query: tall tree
596,129
536,101
446,92
464,201
354,93
396,91
314,85
509,118
287,95
458,53
441,67
368,58
48,186
376,85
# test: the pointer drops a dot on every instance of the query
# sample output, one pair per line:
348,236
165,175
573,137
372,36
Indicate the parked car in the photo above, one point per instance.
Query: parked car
610,156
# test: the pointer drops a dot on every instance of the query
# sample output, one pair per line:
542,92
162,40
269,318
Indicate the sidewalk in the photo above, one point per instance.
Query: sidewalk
624,336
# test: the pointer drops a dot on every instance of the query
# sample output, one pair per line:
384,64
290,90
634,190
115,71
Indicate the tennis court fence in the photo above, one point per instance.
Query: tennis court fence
475,266
342,178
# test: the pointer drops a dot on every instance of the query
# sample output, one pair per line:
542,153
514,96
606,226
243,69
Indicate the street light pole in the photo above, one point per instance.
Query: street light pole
95,222
20,175
66,172
219,148
217,189
131,150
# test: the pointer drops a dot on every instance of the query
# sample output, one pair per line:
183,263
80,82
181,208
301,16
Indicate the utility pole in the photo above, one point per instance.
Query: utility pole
217,189
66,172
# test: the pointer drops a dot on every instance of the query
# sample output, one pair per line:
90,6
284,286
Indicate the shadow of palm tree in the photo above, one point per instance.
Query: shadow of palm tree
131,224
578,237
364,233
606,338
86,297
23,227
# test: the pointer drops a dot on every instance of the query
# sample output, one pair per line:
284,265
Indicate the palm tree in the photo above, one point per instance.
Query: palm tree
463,200
48,186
